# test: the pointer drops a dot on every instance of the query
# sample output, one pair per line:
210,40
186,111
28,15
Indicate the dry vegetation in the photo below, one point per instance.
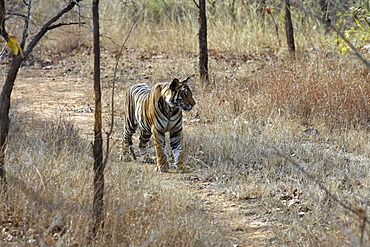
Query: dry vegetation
261,111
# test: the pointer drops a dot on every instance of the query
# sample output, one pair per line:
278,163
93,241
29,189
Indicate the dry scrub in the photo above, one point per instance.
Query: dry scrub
313,108
319,121
50,192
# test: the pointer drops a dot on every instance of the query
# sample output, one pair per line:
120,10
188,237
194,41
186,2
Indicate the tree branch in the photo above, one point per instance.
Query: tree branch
45,28
65,24
26,22
280,153
196,4
16,14
365,61
2,21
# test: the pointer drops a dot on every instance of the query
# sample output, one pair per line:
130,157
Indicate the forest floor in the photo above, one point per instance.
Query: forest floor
41,94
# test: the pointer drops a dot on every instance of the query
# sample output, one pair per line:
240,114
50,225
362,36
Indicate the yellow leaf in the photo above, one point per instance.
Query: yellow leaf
13,45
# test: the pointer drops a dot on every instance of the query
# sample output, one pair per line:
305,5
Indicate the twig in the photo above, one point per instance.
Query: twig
54,224
16,14
45,28
199,161
164,2
365,61
276,29
26,23
196,4
278,152
22,16
65,24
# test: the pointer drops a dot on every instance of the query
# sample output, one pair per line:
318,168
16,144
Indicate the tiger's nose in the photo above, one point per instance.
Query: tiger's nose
192,104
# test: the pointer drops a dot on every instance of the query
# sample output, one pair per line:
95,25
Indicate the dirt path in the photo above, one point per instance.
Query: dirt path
54,97
51,97
243,227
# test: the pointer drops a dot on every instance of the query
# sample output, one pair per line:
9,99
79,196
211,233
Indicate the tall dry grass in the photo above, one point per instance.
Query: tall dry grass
313,108
260,102
48,201
170,26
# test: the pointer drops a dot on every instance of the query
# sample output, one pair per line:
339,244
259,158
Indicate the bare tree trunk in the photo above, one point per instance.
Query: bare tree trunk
4,112
203,51
325,14
12,75
4,105
289,27
98,203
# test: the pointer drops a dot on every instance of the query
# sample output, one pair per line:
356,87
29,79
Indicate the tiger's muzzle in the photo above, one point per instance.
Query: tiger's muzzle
188,107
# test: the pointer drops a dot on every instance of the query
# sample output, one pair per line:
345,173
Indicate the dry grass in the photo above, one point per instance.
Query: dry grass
50,191
313,108
319,121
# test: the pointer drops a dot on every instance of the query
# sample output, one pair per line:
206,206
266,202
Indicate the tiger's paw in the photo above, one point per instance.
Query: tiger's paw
184,169
161,168
148,159
127,158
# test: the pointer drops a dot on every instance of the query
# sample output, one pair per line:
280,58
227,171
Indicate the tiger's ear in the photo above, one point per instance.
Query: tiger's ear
189,79
174,84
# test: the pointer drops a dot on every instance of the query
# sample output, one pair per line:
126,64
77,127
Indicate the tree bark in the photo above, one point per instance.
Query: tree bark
289,27
4,104
98,203
203,50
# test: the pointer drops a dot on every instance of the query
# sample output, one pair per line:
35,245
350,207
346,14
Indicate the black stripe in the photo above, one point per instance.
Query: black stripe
179,122
175,143
162,107
175,112
174,134
159,132
159,122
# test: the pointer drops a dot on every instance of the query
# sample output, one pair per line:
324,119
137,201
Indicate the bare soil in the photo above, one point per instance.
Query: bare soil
243,227
41,93
48,97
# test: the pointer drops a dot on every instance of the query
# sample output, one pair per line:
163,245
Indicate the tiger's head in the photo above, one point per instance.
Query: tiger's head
178,94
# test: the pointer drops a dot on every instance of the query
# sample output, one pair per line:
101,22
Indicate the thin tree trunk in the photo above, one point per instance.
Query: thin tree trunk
289,27
203,51
4,104
4,112
12,75
325,14
98,203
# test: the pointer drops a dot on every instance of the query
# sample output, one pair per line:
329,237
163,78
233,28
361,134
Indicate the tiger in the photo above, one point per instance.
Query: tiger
157,110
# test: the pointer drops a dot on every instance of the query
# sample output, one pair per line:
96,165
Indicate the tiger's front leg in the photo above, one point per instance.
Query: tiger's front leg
160,142
176,145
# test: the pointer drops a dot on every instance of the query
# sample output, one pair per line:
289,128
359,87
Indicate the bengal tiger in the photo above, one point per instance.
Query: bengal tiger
157,110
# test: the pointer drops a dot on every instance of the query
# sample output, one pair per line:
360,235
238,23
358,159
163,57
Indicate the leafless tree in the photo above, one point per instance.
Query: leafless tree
203,50
99,165
14,67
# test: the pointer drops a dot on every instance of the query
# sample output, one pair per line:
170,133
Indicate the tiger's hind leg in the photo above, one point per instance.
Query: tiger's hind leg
144,139
128,152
